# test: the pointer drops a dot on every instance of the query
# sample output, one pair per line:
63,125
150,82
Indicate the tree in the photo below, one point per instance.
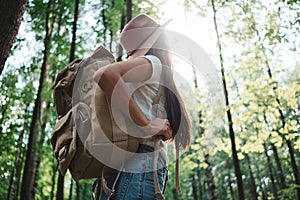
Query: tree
27,189
16,175
229,116
11,13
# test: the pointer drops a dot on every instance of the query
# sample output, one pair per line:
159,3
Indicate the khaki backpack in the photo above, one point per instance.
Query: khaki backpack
88,138
85,123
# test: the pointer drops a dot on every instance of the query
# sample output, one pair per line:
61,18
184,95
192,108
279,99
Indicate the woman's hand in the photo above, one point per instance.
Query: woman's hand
159,127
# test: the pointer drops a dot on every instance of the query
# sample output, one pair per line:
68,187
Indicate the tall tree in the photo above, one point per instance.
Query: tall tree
279,167
11,13
124,20
7,101
229,116
104,21
194,187
253,193
28,172
74,29
128,10
271,174
19,160
258,174
200,130
120,48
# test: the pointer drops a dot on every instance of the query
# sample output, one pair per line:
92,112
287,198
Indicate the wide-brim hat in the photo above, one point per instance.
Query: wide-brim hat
139,35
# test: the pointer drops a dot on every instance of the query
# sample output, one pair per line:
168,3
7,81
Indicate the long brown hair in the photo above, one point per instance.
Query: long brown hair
176,112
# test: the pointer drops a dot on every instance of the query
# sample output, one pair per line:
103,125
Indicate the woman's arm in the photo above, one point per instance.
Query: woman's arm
134,70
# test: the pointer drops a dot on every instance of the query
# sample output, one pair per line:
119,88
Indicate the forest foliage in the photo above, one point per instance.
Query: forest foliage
257,58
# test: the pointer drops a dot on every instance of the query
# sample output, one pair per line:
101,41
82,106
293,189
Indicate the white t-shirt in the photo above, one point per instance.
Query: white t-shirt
144,94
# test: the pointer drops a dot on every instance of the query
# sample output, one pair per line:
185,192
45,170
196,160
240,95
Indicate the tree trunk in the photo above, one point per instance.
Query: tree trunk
39,144
104,21
73,43
271,173
15,174
260,183
10,184
3,113
210,178
128,10
111,34
253,193
84,191
199,181
11,13
71,190
60,187
35,175
53,181
294,167
194,187
200,130
77,190
230,186
19,160
230,122
120,49
28,172
124,19
279,168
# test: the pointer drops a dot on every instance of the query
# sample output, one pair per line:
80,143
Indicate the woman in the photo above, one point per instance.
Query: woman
148,68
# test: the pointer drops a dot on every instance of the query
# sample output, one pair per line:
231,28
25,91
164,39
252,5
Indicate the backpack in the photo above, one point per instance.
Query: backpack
86,128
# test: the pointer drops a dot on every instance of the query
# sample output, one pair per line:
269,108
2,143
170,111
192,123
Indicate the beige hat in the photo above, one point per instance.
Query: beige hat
140,34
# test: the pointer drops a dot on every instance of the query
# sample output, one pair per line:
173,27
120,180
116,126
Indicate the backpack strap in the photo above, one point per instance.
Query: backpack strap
106,189
159,95
158,193
94,186
109,192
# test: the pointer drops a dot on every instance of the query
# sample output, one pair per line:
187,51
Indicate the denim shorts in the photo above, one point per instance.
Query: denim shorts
136,180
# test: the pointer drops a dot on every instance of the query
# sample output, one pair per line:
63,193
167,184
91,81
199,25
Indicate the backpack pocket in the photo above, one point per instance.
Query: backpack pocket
62,141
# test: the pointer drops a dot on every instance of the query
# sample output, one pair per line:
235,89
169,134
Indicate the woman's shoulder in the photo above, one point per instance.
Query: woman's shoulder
156,67
153,59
